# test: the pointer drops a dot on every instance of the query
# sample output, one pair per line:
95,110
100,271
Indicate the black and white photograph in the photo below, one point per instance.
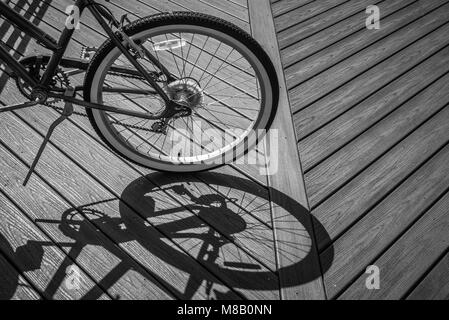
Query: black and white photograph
251,152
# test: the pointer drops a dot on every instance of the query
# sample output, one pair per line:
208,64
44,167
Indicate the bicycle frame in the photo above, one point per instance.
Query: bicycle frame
59,48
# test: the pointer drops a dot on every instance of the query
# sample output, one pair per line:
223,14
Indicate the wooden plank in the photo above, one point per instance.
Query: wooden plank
228,7
317,63
364,85
242,3
376,231
281,7
143,8
318,87
44,268
347,162
370,186
327,19
162,5
195,5
46,207
403,264
324,142
304,13
288,181
337,32
435,286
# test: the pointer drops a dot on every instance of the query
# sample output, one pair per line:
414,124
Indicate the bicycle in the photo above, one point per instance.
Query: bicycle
161,76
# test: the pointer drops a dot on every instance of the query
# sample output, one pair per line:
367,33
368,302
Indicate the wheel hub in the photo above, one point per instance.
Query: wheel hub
186,92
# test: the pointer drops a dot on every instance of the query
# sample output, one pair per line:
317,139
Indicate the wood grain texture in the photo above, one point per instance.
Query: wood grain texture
370,186
360,100
281,7
355,91
236,15
327,140
402,265
337,32
305,12
326,58
316,23
319,86
435,286
347,162
376,231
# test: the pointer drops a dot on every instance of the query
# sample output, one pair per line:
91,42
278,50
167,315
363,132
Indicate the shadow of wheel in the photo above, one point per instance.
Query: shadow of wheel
138,194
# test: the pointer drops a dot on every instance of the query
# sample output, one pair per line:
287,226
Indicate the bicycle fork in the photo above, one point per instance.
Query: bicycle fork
66,113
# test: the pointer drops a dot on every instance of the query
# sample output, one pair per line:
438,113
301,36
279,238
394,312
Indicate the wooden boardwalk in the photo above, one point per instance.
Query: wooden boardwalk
368,112
371,117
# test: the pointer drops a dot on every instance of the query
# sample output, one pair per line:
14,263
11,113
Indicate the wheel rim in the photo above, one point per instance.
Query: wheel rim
222,103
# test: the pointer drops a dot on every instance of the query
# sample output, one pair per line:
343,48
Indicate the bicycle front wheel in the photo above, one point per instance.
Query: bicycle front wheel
218,72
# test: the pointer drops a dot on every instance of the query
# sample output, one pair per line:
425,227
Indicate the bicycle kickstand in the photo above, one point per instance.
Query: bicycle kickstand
67,112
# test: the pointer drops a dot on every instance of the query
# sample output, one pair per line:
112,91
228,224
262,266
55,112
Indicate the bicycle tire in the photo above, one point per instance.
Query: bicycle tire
170,19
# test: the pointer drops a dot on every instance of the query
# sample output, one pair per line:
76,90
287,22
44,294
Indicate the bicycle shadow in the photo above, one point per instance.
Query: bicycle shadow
14,39
229,223
206,216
